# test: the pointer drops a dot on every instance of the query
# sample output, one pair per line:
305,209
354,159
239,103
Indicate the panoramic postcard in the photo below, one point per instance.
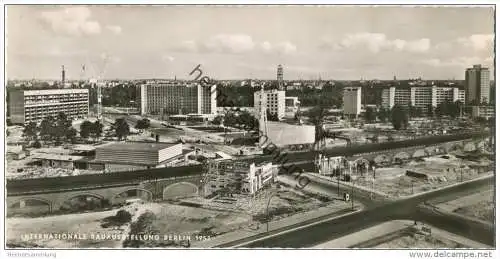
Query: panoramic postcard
250,127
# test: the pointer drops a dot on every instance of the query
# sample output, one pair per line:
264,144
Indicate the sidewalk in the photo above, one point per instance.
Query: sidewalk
346,184
389,227
384,195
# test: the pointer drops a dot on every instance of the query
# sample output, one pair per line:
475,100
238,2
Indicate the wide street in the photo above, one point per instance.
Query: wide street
377,213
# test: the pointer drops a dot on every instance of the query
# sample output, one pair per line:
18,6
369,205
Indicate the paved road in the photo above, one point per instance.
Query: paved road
378,213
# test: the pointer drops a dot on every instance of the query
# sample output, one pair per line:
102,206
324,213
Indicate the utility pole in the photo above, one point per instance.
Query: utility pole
338,181
351,178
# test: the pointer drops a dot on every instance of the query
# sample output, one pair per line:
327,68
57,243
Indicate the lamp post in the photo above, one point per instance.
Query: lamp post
352,178
267,211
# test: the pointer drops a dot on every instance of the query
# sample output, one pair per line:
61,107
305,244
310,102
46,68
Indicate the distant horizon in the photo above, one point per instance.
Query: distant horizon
311,42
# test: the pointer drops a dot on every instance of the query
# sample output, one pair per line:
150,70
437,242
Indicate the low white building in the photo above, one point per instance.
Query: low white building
352,101
237,177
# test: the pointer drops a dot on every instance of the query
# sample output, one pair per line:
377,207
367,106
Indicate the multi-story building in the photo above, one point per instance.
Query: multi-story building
177,98
485,111
274,101
237,177
392,96
421,97
35,105
477,85
352,101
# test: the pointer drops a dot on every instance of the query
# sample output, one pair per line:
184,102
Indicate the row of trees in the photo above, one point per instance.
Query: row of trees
237,119
56,129
59,130
399,115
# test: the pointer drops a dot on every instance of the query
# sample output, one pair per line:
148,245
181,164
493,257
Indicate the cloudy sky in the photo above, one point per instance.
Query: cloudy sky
242,42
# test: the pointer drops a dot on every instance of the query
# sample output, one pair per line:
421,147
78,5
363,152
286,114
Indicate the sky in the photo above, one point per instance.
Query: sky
237,42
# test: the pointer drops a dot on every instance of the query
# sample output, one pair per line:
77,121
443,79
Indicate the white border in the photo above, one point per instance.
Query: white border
352,254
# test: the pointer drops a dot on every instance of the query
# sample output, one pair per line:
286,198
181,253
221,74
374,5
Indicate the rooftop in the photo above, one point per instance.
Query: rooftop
56,157
84,148
143,146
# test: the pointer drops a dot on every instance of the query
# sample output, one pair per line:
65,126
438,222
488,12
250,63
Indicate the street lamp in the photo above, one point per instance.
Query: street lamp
352,178
267,211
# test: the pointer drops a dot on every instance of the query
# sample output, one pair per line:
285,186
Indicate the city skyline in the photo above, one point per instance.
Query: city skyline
310,42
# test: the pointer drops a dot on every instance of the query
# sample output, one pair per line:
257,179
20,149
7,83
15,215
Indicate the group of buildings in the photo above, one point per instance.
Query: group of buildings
475,95
420,96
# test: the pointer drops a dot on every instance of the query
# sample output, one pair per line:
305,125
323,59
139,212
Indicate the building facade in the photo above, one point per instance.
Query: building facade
395,96
292,104
35,105
141,153
273,100
486,111
477,85
352,101
420,96
172,98
237,177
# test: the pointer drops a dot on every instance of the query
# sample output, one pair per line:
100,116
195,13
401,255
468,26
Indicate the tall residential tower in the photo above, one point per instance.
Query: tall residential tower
477,85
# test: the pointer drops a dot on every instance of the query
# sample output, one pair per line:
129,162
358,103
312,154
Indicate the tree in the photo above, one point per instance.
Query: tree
143,124
30,130
122,129
86,129
248,121
71,134
316,116
271,116
37,144
399,117
383,114
415,111
370,115
47,128
430,110
96,129
217,120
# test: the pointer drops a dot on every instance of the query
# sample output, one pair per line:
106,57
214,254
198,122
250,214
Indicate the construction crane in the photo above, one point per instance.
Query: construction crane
99,82
262,115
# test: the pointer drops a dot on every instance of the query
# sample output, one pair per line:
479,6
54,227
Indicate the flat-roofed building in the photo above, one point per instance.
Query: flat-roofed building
35,105
477,85
274,101
421,96
119,156
172,98
352,101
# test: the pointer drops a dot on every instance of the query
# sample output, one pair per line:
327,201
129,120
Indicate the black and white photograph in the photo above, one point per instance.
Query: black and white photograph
250,127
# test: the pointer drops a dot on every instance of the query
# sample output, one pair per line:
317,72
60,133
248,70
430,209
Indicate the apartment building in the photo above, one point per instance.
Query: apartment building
237,177
34,105
395,96
485,111
172,98
352,101
477,85
421,96
274,101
